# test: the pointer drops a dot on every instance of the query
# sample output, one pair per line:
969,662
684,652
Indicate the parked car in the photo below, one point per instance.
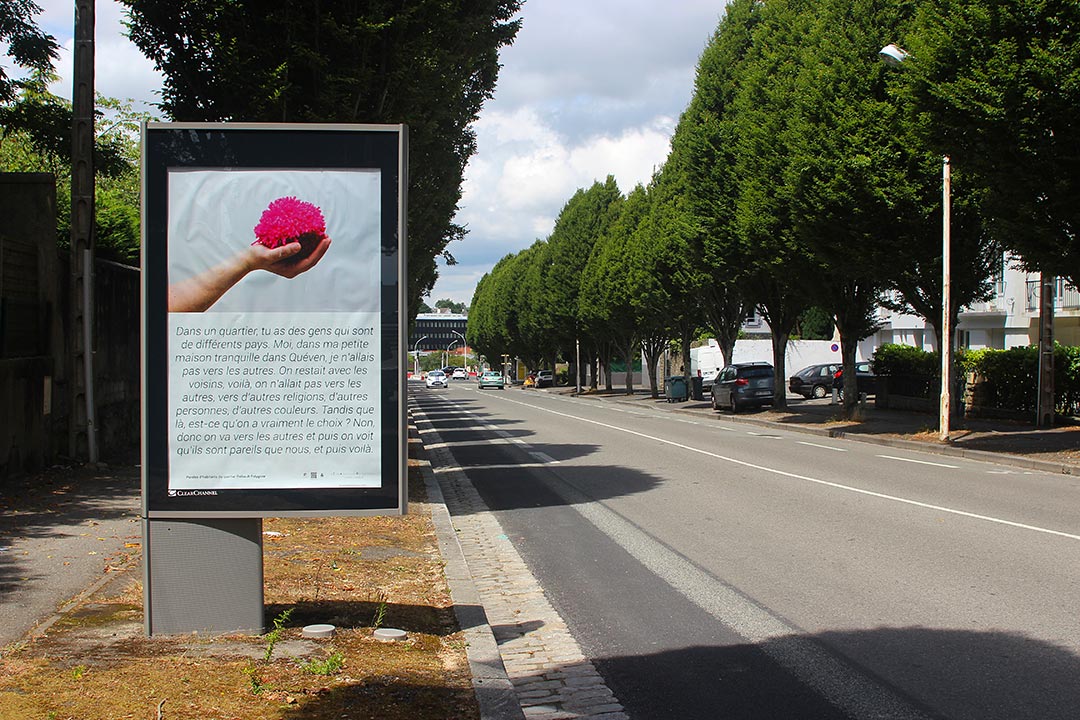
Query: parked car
864,378
743,385
545,378
491,379
436,379
813,381
460,374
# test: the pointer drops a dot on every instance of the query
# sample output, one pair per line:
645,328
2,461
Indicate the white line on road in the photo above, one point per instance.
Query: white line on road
545,458
805,478
920,462
823,447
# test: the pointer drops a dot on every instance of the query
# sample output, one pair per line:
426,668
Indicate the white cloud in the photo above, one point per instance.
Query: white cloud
525,172
120,70
587,90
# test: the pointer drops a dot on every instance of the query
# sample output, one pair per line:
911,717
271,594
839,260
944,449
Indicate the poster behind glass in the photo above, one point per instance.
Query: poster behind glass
269,328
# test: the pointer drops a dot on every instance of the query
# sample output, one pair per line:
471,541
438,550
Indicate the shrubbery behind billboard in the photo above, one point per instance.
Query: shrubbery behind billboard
273,286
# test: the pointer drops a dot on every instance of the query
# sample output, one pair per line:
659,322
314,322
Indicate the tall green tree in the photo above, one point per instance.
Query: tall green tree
758,119
611,280
1000,82
703,156
670,297
27,45
429,64
582,221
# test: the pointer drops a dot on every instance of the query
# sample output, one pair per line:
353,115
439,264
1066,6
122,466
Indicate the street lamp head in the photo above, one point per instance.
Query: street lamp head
893,55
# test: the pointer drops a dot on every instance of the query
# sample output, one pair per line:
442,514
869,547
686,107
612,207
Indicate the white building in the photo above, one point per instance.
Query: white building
1010,318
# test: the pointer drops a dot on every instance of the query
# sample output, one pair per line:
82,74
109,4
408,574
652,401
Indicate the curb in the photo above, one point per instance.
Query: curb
494,691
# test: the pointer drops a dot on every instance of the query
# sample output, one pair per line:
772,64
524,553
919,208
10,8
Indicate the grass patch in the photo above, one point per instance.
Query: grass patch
97,662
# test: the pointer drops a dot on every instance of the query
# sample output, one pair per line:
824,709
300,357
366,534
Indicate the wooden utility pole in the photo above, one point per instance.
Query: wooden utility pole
1045,417
83,436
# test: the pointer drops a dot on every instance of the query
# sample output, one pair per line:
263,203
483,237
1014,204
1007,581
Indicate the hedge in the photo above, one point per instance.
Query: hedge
1006,379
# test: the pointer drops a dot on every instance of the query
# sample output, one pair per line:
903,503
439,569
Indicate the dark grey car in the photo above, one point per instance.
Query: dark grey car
743,385
814,381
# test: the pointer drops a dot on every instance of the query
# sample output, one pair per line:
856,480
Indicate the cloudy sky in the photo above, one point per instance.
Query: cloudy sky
589,88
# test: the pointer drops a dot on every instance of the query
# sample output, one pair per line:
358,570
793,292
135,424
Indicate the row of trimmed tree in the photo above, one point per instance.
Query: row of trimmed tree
804,172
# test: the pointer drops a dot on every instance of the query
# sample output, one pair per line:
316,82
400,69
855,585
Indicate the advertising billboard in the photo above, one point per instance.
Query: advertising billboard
273,319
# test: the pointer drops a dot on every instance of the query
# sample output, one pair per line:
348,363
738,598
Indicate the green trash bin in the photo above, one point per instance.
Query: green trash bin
675,388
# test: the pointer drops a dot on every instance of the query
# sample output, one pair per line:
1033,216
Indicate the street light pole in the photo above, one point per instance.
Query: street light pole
416,355
466,344
946,298
893,55
577,364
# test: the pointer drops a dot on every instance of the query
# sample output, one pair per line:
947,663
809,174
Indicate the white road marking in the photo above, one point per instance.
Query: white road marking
545,458
470,468
823,447
920,462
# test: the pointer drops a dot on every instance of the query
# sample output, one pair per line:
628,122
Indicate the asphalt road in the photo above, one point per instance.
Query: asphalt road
713,570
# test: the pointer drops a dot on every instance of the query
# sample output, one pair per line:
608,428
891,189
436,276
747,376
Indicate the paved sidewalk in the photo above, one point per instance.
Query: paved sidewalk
63,534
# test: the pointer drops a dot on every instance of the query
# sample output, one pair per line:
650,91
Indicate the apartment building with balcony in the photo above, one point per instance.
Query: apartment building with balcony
1008,319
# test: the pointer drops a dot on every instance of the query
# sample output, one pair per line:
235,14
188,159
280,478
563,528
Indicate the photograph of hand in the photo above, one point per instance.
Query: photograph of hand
255,240
196,294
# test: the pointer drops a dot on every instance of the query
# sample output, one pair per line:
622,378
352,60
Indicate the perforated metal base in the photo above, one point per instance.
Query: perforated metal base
203,576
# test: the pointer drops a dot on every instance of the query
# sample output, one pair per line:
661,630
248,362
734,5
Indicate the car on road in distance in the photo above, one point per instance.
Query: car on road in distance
743,385
436,379
864,378
491,379
545,378
460,374
813,381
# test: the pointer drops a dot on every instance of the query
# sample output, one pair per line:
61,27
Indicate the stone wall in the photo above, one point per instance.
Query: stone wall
35,318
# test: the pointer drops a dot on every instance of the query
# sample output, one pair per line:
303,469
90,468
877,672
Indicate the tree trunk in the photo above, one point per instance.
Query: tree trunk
848,348
653,350
779,354
630,368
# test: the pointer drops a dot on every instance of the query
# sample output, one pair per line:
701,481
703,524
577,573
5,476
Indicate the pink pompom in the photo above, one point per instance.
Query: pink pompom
288,220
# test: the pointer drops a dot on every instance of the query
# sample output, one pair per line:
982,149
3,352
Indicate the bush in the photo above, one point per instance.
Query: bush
905,360
1007,379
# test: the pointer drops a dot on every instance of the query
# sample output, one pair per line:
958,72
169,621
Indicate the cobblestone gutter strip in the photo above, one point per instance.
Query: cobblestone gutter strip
494,691
552,678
